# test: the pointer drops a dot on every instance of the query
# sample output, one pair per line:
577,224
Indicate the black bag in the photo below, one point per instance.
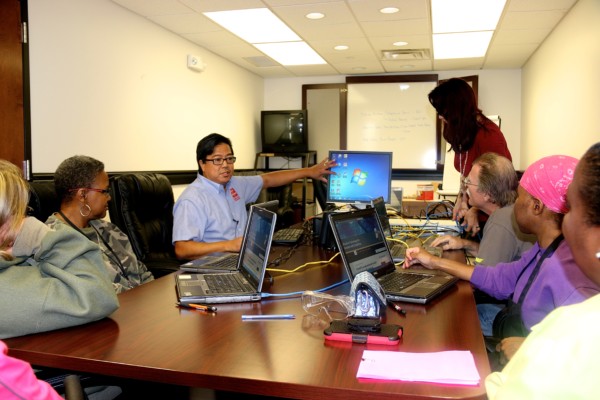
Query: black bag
508,322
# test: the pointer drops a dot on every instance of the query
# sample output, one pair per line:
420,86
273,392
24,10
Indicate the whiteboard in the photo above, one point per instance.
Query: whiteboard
397,117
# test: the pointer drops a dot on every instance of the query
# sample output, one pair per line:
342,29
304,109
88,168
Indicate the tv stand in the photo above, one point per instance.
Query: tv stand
308,158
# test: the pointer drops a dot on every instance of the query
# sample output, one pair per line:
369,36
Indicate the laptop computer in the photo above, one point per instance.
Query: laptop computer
244,284
223,261
399,244
215,262
363,247
283,235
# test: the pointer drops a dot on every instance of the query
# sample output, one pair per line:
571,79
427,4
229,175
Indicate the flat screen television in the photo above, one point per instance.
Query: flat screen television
284,131
361,176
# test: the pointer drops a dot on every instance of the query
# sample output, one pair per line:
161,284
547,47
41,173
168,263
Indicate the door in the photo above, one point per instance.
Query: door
14,144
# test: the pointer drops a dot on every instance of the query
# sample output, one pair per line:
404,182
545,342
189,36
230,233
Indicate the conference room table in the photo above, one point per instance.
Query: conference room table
149,338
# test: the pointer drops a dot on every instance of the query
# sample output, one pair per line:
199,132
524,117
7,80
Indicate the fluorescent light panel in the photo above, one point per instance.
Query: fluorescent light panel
463,28
261,28
465,15
291,53
256,25
461,45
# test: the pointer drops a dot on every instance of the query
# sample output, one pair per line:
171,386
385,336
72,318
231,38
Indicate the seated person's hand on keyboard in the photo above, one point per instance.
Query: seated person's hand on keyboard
418,255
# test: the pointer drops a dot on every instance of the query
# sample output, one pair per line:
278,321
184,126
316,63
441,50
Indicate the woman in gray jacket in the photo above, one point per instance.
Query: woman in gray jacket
49,279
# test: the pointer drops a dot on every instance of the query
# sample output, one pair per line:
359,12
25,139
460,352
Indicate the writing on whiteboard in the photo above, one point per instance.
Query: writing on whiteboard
384,117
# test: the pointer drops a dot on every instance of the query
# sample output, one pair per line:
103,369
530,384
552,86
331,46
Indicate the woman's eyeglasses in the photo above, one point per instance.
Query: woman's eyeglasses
219,160
105,192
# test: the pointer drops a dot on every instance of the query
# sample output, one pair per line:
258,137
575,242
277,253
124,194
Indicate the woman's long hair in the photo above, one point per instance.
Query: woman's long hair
455,101
14,195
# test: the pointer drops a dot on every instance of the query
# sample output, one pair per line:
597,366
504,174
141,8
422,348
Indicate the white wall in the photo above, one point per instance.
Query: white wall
112,85
499,94
561,88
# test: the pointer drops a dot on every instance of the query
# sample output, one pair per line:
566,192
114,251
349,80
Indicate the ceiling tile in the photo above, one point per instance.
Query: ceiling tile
359,25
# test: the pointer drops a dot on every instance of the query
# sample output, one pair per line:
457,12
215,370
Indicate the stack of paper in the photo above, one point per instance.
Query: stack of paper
451,367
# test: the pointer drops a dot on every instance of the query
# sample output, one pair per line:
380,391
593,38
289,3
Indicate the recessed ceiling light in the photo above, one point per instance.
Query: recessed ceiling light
399,44
341,47
315,15
358,68
389,10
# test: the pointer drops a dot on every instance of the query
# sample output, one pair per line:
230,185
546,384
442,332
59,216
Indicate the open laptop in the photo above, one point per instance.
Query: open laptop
397,249
245,283
399,244
223,261
283,235
363,247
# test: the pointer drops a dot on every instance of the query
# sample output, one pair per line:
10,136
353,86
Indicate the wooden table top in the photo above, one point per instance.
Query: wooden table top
149,338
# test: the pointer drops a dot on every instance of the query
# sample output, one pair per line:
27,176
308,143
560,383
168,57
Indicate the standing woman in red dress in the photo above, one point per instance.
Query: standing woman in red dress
470,134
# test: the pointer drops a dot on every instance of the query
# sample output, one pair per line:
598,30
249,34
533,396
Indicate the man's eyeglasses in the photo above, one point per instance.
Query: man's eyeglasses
219,160
467,181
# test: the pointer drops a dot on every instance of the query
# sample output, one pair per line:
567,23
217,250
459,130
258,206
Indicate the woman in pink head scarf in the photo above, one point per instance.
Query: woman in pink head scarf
559,359
546,276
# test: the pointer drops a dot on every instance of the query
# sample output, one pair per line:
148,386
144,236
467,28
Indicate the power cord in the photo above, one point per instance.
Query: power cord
296,294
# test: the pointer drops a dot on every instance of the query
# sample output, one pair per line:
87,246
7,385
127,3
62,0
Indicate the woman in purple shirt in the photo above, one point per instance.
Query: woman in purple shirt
546,276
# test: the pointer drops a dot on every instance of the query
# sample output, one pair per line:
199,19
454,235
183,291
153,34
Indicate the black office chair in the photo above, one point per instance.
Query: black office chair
43,200
73,389
285,212
142,207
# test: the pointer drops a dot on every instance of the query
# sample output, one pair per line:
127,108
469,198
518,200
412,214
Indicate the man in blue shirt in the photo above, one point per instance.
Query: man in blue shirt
210,215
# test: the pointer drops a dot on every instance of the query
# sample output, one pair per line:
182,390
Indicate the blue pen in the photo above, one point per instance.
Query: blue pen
267,317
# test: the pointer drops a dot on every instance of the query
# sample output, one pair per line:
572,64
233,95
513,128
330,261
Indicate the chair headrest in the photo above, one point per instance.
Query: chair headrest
43,200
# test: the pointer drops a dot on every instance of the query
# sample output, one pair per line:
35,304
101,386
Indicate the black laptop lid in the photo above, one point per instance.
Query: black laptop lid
361,242
271,205
379,206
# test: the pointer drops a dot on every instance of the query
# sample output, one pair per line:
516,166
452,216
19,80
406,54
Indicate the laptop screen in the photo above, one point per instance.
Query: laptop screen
361,241
257,244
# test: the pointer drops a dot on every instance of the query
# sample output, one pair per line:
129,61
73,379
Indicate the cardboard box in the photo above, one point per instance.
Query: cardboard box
417,208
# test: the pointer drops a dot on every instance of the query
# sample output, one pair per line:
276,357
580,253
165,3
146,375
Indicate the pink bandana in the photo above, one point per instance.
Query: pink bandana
548,180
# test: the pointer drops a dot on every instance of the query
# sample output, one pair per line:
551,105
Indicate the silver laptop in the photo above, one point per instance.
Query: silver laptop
363,247
223,261
244,284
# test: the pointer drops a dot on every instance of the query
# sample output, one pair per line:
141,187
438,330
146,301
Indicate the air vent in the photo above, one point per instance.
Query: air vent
261,61
405,54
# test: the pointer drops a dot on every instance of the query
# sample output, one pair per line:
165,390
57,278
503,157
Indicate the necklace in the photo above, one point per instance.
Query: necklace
462,166
112,256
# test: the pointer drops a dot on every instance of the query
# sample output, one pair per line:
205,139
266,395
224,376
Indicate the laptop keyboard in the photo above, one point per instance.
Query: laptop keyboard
288,235
227,262
398,250
398,281
225,283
